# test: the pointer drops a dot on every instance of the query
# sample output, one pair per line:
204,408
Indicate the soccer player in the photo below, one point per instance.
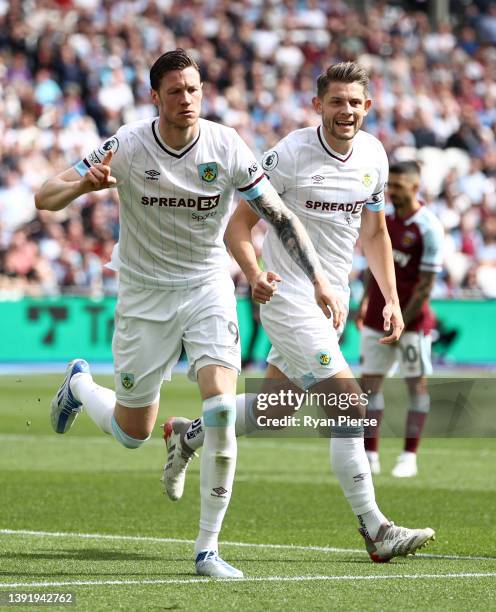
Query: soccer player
176,175
417,239
332,177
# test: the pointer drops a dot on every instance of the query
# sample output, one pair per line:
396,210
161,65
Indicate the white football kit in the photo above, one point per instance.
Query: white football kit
327,191
174,282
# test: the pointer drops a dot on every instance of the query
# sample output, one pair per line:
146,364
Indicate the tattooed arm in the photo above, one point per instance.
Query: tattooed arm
295,240
421,293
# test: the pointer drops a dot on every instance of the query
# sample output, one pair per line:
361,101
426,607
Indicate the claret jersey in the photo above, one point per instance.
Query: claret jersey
175,204
328,192
417,243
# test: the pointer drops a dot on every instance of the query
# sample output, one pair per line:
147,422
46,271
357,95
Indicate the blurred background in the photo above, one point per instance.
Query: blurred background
73,71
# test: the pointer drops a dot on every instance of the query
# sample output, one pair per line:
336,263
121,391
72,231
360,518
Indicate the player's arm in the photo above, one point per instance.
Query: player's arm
269,206
364,302
376,246
421,293
59,191
239,241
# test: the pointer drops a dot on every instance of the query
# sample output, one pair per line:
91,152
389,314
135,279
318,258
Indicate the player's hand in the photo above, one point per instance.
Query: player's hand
264,286
393,323
360,315
330,304
99,176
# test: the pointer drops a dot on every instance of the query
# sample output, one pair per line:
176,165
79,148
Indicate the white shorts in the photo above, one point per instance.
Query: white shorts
305,345
151,326
410,356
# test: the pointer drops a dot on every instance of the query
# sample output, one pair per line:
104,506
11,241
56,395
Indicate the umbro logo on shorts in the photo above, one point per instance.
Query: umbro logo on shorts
152,175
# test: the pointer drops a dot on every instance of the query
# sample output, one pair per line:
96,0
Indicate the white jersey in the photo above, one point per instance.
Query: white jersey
175,204
327,191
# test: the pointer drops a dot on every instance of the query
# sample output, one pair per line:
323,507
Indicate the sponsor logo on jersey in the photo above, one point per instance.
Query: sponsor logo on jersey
270,160
112,144
367,179
200,203
94,159
252,169
127,380
348,207
208,203
408,239
317,178
208,172
152,175
401,258
324,357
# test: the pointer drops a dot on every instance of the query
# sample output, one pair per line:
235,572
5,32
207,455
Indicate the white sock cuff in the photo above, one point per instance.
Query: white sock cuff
420,402
375,401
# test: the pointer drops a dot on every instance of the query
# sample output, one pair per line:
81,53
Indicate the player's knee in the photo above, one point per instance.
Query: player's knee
375,402
126,439
420,402
219,411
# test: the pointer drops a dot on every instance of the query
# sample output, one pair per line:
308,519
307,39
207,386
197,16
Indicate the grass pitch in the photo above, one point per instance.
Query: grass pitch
80,513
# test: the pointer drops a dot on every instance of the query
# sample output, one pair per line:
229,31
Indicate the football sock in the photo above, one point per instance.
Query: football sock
218,460
375,410
207,540
98,402
195,434
351,466
417,414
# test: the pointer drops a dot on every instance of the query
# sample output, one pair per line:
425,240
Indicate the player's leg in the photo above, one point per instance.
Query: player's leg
183,436
313,359
192,433
376,360
347,451
383,539
372,385
211,340
415,366
143,352
406,463
218,464
129,426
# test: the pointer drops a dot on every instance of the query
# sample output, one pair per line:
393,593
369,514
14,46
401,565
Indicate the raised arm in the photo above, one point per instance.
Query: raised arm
59,191
376,245
295,240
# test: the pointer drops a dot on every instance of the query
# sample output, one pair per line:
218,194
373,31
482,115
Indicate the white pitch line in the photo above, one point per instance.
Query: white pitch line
15,585
323,549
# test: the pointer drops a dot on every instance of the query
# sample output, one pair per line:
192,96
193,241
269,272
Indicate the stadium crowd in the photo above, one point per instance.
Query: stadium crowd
73,71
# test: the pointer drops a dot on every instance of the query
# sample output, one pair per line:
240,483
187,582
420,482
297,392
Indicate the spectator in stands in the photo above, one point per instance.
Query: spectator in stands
71,70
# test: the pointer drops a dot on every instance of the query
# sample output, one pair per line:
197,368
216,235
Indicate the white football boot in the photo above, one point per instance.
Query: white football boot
406,465
178,457
208,563
65,407
393,541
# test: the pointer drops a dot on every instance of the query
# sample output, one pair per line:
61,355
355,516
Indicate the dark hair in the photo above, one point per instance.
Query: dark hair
172,60
405,167
344,72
